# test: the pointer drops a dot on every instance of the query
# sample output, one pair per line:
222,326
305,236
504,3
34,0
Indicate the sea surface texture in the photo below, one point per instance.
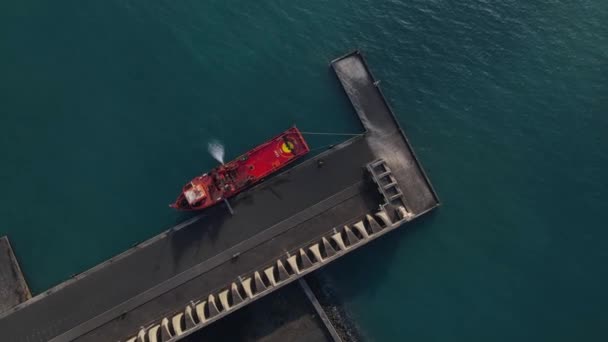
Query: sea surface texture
107,108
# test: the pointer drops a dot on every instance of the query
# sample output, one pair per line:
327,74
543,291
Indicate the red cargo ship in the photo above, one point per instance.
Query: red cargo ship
229,179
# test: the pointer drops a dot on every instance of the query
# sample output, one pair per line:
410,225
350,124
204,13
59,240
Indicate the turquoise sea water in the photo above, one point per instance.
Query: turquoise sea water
106,109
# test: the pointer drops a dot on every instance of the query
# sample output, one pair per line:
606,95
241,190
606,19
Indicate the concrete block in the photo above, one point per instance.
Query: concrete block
361,229
236,295
246,283
283,274
154,334
404,214
306,263
270,275
200,312
316,251
292,261
329,250
213,310
352,239
165,332
223,296
13,288
190,321
339,241
385,219
259,284
373,224
141,335
176,321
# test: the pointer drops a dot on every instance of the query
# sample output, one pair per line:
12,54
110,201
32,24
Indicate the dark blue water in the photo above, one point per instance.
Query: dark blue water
107,107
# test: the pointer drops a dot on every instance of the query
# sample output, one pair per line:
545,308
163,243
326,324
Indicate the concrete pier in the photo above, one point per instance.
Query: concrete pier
192,275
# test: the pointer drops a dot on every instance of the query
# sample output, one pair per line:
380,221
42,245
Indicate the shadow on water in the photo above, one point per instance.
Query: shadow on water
362,262
365,272
283,316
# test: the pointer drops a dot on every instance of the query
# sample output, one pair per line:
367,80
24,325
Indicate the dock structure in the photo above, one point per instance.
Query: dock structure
184,279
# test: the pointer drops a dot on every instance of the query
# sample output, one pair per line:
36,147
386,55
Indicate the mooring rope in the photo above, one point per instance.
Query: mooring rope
331,133
328,146
324,147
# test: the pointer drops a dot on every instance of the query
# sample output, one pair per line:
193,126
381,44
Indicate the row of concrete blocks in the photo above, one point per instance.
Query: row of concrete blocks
282,271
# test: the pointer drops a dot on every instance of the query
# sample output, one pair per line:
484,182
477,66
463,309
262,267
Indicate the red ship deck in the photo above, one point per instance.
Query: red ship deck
273,155
229,179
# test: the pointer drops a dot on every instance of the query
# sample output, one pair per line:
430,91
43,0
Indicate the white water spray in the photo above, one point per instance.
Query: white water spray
216,149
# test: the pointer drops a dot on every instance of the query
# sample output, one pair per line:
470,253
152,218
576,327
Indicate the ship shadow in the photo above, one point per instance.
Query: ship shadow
188,242
246,197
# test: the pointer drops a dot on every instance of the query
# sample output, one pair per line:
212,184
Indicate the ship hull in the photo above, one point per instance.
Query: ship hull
228,180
